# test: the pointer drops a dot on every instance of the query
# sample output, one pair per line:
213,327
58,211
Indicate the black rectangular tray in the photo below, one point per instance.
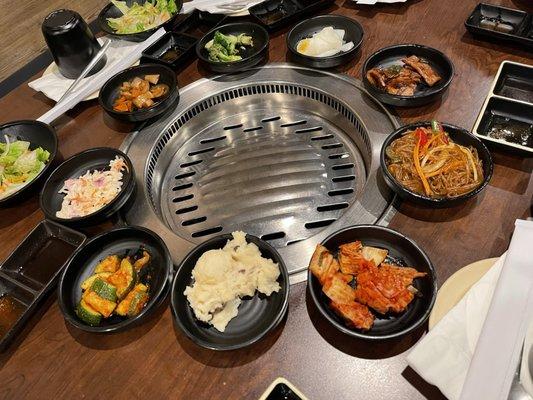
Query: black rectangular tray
31,272
504,113
276,14
515,82
198,23
281,389
182,42
522,21
509,108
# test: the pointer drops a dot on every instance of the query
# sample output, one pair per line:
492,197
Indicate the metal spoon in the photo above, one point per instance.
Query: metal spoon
87,69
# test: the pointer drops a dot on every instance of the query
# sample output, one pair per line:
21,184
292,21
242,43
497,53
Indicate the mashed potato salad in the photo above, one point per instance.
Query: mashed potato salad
223,276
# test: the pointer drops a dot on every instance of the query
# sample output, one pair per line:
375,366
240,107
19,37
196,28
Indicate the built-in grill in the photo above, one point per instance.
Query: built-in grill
285,153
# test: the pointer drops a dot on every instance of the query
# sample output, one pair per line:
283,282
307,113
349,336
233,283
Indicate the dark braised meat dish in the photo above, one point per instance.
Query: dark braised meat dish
403,80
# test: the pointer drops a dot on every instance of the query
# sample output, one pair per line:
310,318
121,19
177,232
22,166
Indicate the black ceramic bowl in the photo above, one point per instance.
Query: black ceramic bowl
111,91
111,11
38,134
251,55
424,94
157,274
458,135
402,251
257,316
307,28
89,160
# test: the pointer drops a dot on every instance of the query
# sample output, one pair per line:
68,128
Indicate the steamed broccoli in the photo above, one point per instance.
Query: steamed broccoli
222,48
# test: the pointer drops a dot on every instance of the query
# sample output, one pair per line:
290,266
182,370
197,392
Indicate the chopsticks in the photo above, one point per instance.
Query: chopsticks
87,69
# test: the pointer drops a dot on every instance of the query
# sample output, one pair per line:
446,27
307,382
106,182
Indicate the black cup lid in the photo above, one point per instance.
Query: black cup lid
60,19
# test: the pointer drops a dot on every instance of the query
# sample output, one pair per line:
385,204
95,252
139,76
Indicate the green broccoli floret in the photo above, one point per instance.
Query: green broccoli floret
218,53
227,41
222,47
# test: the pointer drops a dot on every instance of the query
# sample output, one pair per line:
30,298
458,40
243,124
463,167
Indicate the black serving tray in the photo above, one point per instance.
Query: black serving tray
182,43
520,20
198,23
281,389
506,117
275,14
32,271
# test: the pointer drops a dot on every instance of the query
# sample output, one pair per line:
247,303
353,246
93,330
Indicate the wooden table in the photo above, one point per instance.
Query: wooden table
53,360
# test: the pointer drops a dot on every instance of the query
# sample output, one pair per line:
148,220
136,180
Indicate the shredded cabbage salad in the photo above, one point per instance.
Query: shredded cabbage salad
19,165
92,191
139,18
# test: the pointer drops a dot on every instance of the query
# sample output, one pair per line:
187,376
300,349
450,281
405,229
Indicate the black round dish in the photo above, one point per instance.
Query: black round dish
157,275
111,11
403,251
38,134
458,135
251,55
424,94
110,92
257,315
89,160
354,33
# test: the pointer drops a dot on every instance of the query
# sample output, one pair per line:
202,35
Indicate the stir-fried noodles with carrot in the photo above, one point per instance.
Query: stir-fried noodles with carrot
426,161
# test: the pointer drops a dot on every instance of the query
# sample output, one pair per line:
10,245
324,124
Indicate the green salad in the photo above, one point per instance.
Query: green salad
19,165
224,48
139,18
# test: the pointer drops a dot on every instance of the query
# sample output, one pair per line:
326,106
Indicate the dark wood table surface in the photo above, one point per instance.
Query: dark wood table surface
53,360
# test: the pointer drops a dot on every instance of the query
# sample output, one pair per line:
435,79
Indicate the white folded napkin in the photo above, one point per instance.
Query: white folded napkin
443,356
211,6
473,352
53,84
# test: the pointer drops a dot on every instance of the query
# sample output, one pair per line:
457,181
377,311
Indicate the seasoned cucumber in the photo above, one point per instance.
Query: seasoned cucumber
108,264
87,314
124,279
87,283
103,306
134,301
104,290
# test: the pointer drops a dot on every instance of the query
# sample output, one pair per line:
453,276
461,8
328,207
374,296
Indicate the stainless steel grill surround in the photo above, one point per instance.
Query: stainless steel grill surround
286,153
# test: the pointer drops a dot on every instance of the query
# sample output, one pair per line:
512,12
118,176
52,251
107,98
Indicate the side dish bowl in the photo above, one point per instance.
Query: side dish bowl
111,11
424,94
258,315
111,91
307,28
38,134
98,158
251,55
403,251
116,241
458,135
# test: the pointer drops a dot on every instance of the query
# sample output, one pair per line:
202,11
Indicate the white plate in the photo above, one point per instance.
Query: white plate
456,286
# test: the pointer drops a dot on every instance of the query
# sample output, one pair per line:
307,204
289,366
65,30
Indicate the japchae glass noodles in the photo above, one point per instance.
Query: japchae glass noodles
426,161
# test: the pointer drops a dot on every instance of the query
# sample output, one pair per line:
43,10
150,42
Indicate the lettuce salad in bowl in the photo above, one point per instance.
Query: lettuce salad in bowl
19,165
142,17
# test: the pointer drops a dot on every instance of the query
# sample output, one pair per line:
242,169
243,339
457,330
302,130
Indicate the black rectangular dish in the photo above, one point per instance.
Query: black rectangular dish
275,14
515,82
173,49
198,23
281,389
508,121
30,272
506,117
501,23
